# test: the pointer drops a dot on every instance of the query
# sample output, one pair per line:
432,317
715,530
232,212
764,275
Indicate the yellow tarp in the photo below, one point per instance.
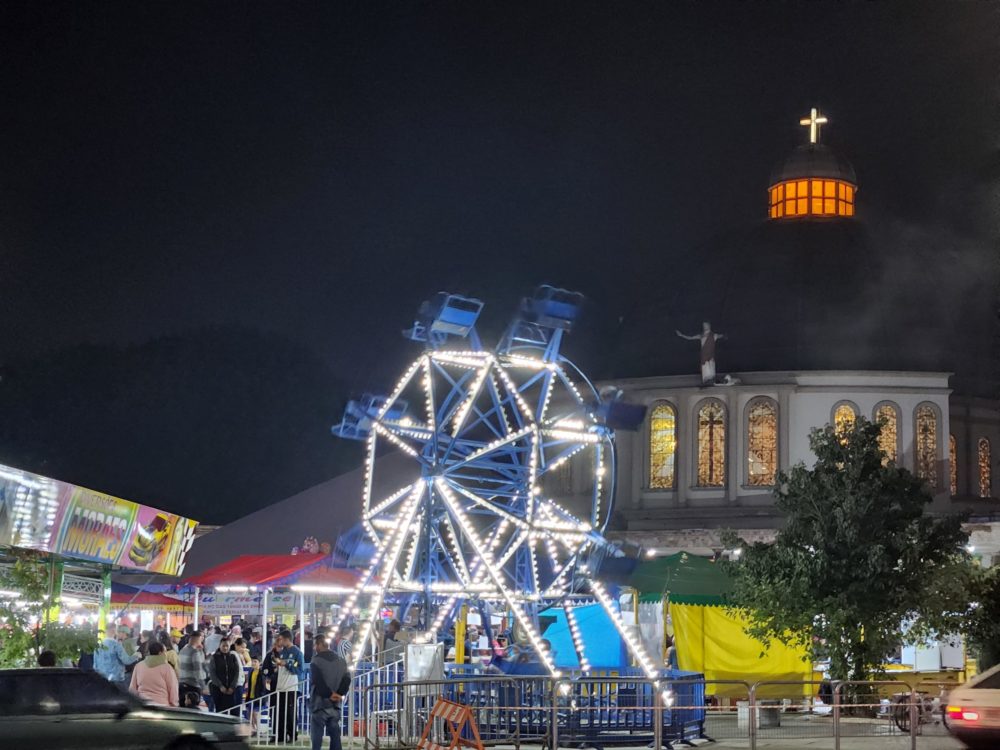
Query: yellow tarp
711,640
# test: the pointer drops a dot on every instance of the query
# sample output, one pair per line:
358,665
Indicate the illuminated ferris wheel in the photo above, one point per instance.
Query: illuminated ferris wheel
511,472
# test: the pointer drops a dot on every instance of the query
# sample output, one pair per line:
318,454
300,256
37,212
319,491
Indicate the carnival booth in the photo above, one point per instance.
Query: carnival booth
685,596
151,608
262,586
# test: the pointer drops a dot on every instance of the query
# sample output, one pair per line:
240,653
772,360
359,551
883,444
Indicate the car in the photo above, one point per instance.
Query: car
150,540
59,709
973,710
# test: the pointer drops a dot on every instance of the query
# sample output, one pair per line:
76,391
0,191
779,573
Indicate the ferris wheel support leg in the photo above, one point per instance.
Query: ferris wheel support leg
634,647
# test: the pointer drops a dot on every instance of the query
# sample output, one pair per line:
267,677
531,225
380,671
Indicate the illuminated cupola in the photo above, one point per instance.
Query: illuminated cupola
813,182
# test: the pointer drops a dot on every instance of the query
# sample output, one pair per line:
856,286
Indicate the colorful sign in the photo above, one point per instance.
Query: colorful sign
45,514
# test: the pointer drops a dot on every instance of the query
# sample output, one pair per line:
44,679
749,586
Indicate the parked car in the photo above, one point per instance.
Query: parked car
59,709
974,710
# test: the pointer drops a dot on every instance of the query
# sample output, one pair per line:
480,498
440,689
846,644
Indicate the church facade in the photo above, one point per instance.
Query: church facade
813,345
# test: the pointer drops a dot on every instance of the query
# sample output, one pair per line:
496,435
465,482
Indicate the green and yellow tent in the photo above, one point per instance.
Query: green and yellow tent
709,636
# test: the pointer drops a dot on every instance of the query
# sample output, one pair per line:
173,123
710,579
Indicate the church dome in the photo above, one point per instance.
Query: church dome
813,182
814,160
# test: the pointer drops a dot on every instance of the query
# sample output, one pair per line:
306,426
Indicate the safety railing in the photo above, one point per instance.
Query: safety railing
284,719
631,711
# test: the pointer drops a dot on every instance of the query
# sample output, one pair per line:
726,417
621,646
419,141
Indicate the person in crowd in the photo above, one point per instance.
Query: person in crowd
145,638
130,642
239,648
290,664
175,638
154,680
224,674
212,640
188,630
330,682
257,643
307,647
501,654
111,659
391,630
169,652
471,643
345,642
254,690
47,659
670,654
269,671
193,699
193,671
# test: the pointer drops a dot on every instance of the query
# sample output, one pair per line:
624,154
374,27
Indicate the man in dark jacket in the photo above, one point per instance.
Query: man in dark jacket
330,682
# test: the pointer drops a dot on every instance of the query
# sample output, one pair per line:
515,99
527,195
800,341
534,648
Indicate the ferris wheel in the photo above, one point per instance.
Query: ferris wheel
508,476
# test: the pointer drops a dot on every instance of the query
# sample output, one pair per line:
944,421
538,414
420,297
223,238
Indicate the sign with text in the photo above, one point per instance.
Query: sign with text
252,604
45,514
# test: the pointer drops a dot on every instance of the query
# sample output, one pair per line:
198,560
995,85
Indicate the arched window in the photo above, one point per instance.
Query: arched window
845,414
985,469
762,442
952,465
926,419
888,440
662,446
712,444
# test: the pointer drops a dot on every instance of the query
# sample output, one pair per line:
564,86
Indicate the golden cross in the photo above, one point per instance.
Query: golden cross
814,120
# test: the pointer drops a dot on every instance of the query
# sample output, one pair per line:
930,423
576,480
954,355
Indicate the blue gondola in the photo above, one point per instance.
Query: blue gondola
359,413
552,307
445,315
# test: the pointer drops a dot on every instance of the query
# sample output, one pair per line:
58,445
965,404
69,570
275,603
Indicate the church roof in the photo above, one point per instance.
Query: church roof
814,160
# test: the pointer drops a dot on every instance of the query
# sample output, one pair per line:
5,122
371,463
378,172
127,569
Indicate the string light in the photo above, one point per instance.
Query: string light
634,647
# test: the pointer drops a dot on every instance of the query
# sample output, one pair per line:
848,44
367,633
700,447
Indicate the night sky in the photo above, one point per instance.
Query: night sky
315,170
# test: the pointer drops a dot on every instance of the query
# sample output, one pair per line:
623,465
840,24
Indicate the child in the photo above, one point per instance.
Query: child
254,689
193,699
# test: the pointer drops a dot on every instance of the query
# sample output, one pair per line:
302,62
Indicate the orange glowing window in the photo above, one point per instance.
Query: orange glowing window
828,206
850,210
780,209
779,192
829,187
817,188
801,207
817,205
791,189
841,191
790,207
803,188
850,194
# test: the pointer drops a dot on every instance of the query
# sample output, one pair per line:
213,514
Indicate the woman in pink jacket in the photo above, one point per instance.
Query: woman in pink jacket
153,679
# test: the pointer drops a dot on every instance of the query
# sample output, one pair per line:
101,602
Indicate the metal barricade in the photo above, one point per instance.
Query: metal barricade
395,714
859,710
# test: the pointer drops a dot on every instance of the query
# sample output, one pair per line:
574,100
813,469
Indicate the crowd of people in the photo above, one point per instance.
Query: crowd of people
217,669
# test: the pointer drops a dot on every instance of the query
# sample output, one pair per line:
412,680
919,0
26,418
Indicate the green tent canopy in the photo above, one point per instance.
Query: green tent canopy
685,578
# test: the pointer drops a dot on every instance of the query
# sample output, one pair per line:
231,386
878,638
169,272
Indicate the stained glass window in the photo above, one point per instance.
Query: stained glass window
888,440
985,469
711,445
952,465
762,443
844,417
927,444
662,446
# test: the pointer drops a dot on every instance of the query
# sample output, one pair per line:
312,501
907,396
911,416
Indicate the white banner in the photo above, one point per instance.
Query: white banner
245,604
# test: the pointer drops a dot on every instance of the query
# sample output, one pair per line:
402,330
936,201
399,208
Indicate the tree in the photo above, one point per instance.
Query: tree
24,590
859,566
982,627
